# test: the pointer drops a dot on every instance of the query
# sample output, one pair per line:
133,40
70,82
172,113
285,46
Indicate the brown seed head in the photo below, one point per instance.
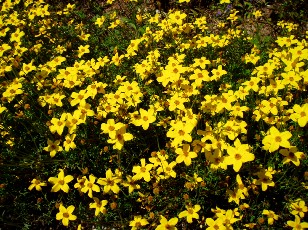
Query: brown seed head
113,205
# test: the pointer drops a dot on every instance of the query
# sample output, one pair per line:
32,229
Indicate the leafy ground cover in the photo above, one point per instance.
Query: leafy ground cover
115,115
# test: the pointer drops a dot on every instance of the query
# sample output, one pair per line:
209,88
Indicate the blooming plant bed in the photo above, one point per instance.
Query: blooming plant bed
120,116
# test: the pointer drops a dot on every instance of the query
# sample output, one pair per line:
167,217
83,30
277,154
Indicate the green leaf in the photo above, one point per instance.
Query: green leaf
132,25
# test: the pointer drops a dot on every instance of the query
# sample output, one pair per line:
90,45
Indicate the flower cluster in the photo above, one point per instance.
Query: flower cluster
154,121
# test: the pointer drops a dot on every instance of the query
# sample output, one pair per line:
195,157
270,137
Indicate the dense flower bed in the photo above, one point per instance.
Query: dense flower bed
148,120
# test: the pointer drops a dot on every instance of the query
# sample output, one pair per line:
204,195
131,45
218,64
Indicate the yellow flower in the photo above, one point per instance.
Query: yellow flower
60,182
185,155
17,35
80,183
116,59
201,62
53,147
238,155
228,217
119,137
82,50
37,185
12,90
142,171
177,102
79,97
270,215
235,195
58,124
69,142
300,114
232,17
95,88
2,109
167,224
110,182
291,79
114,24
146,118
215,157
180,131
265,178
65,214
275,139
215,224
99,206
89,186
167,169
177,17
217,73
85,110
56,99
138,222
60,49
224,101
286,41
4,47
27,68
190,213
241,185
224,1
257,13
296,224
237,110
131,184
292,155
111,127
199,76
83,36
299,208
252,84
72,120
4,31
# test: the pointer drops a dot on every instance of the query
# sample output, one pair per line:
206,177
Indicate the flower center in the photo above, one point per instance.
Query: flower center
278,139
190,211
120,137
110,182
181,132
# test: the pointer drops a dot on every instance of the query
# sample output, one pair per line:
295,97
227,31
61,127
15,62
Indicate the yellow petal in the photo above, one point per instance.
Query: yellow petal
70,209
65,221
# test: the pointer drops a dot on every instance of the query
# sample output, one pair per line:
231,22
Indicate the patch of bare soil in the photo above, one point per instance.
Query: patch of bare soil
264,25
